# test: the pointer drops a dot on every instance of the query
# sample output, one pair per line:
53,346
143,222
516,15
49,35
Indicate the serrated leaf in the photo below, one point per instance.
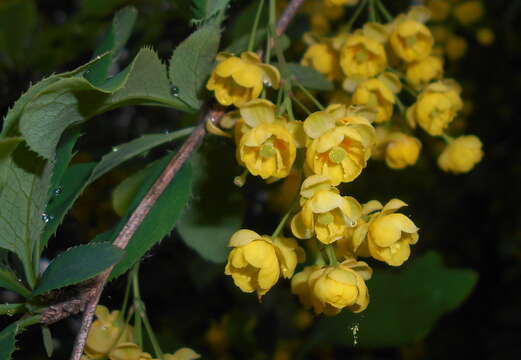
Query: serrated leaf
206,10
405,305
78,177
8,145
217,209
24,180
112,42
192,62
123,195
161,218
8,341
74,100
308,77
78,264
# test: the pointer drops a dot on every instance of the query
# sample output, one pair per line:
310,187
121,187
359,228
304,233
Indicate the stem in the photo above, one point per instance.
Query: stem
151,335
387,15
309,95
331,256
138,333
355,15
410,90
253,34
287,101
32,320
448,139
287,15
372,11
400,105
137,218
285,218
29,270
304,107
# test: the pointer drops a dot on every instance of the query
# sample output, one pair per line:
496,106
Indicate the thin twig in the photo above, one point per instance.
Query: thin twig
137,218
288,15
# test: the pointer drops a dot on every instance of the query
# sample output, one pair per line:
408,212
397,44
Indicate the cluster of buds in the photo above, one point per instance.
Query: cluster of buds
331,146
111,338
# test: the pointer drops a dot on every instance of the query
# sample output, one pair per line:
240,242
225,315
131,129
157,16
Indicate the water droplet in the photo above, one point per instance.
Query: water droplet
355,329
46,218
267,82
115,149
57,191
174,90
10,312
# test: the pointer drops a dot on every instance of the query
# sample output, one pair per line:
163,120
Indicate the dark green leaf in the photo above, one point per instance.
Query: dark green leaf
161,218
216,211
64,154
78,177
8,145
8,341
73,100
308,77
241,44
78,264
208,10
405,305
113,41
9,281
24,184
192,63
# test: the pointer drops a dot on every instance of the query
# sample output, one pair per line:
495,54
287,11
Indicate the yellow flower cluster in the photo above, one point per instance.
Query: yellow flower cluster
377,69
375,63
109,337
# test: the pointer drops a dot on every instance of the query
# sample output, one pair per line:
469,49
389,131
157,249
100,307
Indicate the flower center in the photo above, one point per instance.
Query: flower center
325,218
267,149
337,154
435,113
410,40
362,56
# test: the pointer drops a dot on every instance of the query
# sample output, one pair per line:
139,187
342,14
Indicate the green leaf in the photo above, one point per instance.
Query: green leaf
308,77
18,20
192,62
124,193
73,100
161,218
208,10
48,343
8,341
405,305
78,177
24,184
9,281
216,211
241,44
8,145
113,41
78,264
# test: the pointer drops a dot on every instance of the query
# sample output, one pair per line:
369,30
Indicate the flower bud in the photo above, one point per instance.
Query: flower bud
461,155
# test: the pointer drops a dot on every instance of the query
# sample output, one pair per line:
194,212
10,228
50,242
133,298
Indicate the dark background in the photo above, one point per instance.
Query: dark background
473,220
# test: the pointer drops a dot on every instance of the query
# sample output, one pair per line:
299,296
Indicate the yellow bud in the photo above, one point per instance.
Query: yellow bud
469,12
411,40
461,155
402,151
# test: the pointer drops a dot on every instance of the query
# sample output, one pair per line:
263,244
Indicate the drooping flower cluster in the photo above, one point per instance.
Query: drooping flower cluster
376,63
110,337
389,83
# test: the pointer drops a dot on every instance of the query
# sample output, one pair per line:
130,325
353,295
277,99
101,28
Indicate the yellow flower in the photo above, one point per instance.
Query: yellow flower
485,36
326,215
256,262
374,93
436,107
362,56
380,142
330,289
461,155
440,9
126,351
469,12
323,58
421,72
338,152
183,354
402,150
341,2
266,145
456,47
387,235
238,80
411,40
105,333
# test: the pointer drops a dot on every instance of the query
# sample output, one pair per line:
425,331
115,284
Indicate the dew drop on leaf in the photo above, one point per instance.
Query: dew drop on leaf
57,191
174,90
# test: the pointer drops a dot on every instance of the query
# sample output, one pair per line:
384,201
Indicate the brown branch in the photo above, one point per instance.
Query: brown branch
90,294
